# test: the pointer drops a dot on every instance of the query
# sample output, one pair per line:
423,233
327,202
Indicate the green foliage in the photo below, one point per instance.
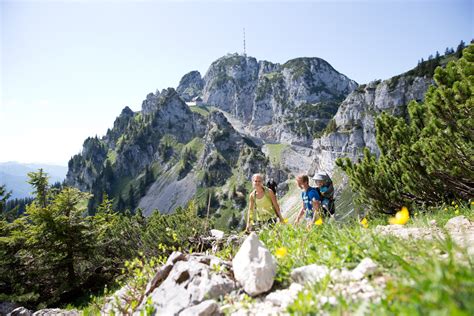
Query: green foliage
331,127
6,212
275,152
47,247
135,275
4,196
430,159
200,109
361,88
56,254
15,207
301,67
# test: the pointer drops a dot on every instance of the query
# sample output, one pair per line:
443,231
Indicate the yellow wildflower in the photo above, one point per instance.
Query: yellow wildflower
456,212
452,203
401,218
445,209
472,203
319,222
456,206
281,252
364,223
285,220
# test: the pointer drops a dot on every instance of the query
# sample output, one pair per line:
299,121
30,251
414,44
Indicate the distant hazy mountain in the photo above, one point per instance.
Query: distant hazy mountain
14,176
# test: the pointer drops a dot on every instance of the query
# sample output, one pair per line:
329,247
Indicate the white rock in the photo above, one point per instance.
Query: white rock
206,308
219,234
283,298
309,274
458,223
342,275
254,266
19,311
366,267
461,231
189,283
327,299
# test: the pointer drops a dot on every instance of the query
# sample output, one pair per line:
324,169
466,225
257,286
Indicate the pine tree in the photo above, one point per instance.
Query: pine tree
460,49
39,180
59,241
4,196
429,159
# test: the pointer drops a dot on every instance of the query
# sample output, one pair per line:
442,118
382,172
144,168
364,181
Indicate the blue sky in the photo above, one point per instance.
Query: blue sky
69,67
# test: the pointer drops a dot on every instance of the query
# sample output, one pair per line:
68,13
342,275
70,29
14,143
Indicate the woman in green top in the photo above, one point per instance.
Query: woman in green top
263,205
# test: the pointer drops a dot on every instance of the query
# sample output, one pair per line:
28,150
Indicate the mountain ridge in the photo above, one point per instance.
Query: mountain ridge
156,149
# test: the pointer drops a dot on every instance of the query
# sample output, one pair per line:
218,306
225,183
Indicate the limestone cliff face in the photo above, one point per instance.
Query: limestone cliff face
354,123
289,102
218,152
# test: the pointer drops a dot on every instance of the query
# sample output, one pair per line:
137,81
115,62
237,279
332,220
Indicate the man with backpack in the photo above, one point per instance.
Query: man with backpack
311,201
326,192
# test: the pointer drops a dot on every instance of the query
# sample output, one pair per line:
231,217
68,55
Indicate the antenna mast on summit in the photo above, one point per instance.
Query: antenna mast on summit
245,53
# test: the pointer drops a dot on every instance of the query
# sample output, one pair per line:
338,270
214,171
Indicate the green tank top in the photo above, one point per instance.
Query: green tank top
263,208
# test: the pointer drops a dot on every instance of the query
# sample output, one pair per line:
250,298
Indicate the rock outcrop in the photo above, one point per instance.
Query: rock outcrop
185,285
353,126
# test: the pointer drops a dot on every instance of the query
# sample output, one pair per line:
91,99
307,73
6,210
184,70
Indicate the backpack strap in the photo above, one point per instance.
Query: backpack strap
254,206
319,194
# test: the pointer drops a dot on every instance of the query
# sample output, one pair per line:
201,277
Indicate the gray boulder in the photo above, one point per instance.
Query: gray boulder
19,311
189,283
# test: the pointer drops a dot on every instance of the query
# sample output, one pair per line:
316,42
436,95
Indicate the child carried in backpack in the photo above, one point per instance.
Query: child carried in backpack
326,190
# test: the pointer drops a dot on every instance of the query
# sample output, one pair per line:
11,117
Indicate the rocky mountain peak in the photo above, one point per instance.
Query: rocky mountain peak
126,111
264,94
190,86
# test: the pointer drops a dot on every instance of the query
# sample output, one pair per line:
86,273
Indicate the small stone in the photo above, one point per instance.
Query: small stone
206,308
218,234
366,267
283,298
